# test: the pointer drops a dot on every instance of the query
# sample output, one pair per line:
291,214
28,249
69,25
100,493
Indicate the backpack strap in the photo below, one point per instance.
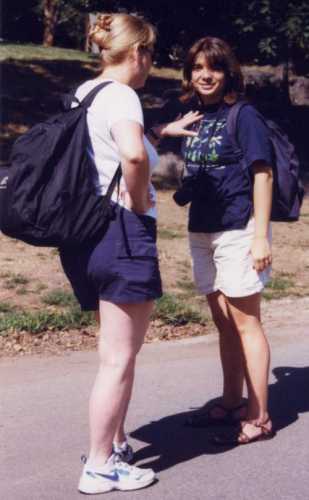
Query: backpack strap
231,124
69,98
88,99
115,181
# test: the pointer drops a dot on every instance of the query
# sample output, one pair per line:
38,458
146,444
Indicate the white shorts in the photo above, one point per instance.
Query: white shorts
223,262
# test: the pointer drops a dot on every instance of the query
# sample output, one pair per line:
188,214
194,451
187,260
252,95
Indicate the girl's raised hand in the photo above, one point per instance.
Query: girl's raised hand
178,128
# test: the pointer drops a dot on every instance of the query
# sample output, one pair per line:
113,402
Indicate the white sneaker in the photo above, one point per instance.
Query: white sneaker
114,475
124,451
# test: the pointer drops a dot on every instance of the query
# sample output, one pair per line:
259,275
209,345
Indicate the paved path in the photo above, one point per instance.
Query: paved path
43,425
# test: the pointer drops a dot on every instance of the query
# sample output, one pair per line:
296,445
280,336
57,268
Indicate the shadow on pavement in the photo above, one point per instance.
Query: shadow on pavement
170,442
289,395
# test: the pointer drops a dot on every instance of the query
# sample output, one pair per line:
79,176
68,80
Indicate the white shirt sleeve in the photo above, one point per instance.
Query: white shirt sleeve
120,102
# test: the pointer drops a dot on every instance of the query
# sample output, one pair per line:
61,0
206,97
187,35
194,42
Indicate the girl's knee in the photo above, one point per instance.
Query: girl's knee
247,325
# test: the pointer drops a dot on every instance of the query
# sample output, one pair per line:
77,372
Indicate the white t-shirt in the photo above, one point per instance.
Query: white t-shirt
114,103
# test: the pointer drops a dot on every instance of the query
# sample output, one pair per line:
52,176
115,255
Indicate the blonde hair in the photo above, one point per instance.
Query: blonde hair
116,34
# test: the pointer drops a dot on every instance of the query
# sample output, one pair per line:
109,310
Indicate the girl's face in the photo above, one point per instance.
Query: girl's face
208,83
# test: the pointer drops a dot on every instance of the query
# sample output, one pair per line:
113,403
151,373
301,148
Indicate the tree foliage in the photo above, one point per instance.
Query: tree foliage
259,30
276,31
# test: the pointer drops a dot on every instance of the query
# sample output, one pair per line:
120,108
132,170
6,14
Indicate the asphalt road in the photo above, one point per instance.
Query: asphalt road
44,430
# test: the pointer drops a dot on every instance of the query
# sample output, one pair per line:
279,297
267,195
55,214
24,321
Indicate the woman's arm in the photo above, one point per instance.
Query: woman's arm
128,136
262,201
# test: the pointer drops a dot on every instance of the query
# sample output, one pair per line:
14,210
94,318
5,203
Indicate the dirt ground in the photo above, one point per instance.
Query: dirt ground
28,273
30,92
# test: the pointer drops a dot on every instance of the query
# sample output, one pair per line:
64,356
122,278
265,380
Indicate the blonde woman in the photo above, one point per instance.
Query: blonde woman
119,278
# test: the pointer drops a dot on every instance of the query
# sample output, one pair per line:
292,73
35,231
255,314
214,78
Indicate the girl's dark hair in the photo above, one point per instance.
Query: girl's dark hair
219,56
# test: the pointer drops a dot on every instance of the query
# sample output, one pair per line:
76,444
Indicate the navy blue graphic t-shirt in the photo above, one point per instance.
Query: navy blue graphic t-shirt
223,197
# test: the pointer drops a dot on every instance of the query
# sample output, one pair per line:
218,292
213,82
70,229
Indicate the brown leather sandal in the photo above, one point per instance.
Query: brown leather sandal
206,418
238,437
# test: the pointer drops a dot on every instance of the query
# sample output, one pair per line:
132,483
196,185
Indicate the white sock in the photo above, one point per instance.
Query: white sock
97,464
120,446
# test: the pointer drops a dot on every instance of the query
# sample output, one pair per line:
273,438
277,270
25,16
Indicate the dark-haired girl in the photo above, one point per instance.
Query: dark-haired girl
229,231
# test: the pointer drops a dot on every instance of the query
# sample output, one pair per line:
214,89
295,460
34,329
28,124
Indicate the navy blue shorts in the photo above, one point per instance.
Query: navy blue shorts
123,268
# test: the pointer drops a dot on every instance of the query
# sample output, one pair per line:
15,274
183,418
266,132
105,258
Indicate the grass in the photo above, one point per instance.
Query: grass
173,311
278,287
168,234
22,291
14,280
39,322
40,287
169,73
5,307
169,309
31,52
59,297
187,286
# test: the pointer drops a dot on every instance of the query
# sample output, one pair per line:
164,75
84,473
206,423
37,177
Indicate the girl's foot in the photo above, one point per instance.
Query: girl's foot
247,432
218,414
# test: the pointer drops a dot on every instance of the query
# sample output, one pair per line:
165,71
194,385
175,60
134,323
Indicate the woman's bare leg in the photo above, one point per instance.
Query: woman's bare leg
230,351
122,331
120,434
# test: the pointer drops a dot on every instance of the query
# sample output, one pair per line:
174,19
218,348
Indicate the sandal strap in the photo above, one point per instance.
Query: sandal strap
262,425
243,437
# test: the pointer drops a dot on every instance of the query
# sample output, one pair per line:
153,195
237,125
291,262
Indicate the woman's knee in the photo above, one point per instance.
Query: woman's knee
121,361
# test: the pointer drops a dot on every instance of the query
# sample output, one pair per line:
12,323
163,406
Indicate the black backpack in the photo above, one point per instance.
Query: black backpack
47,195
288,190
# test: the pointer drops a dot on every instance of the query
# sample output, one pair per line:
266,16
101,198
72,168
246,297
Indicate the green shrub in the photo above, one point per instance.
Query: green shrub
5,307
168,234
173,311
280,283
59,297
13,280
37,322
279,287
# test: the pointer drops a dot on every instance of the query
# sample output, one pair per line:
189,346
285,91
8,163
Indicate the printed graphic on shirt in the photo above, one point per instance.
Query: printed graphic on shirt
206,147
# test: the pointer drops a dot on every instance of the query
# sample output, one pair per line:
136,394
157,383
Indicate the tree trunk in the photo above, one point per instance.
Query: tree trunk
87,25
50,10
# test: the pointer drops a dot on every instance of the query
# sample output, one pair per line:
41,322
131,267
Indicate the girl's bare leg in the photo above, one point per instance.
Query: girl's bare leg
245,313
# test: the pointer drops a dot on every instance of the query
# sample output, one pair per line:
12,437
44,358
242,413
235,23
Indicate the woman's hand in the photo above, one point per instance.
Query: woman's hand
261,253
178,128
